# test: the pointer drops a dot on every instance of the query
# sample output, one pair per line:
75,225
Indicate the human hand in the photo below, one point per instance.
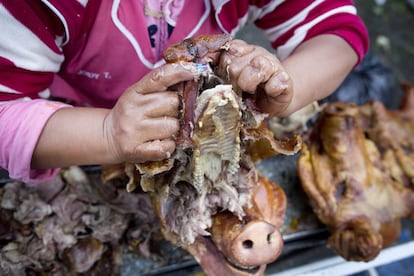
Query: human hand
253,69
142,125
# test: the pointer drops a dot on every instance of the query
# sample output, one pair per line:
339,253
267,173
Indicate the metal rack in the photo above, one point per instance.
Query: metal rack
335,265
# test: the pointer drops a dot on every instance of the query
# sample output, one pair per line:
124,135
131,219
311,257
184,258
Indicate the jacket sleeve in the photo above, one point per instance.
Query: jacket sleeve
30,55
291,23
21,123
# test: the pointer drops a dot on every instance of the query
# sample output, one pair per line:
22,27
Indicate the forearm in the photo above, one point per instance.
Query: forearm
317,68
140,127
72,136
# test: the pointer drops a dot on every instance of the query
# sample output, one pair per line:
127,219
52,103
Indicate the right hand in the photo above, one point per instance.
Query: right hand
253,69
143,123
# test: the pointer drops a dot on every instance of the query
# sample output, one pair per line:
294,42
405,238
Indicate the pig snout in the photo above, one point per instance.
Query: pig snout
257,243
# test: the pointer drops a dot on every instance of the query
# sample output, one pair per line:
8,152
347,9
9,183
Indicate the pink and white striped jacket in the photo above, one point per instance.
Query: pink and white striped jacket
90,51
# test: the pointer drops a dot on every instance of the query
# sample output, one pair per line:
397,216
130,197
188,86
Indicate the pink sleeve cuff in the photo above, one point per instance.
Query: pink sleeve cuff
21,123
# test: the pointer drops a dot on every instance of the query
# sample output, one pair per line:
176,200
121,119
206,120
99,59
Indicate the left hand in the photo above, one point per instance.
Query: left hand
251,68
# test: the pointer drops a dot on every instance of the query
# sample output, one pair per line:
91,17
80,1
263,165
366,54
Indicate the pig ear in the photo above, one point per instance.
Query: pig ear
268,202
261,144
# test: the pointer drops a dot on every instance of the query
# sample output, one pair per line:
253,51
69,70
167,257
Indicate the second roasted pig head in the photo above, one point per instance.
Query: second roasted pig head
209,197
356,168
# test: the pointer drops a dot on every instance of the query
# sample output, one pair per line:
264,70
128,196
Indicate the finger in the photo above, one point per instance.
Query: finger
165,76
258,71
158,128
234,59
155,150
159,104
278,85
278,93
238,48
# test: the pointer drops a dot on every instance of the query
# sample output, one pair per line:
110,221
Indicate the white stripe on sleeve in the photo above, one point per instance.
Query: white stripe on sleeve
300,33
19,45
8,90
275,32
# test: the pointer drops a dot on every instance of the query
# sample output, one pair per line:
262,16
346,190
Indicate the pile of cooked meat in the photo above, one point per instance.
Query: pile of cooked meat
73,224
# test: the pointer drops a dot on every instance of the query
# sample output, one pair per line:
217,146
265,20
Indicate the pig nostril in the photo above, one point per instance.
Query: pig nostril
248,244
269,238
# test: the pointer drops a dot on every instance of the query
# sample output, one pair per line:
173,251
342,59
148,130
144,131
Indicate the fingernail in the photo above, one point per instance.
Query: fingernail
283,77
282,80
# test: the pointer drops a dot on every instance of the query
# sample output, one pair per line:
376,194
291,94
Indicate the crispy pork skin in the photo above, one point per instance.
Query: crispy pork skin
356,168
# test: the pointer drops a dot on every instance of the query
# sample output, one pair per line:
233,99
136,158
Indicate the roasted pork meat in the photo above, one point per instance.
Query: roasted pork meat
209,197
356,167
72,225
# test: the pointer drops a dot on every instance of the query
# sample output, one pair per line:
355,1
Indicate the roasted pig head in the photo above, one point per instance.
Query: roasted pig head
393,133
209,197
356,168
255,240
